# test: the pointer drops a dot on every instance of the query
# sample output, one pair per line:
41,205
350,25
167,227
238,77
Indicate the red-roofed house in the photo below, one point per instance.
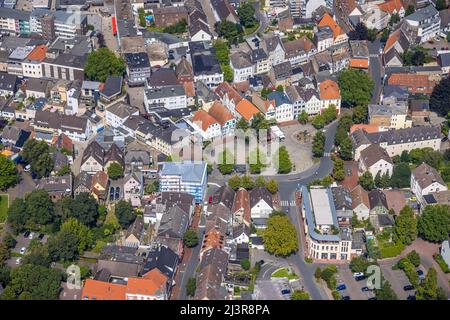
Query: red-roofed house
208,126
392,7
330,95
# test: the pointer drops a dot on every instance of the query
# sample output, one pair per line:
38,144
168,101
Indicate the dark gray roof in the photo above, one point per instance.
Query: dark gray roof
372,154
137,60
399,92
220,6
112,87
165,91
163,259
224,195
423,14
377,199
83,179
444,59
174,223
257,194
404,135
205,64
163,77
342,198
419,105
258,55
282,70
8,81
55,120
68,60
14,14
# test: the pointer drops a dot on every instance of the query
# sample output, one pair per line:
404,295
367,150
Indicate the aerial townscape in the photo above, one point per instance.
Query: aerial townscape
224,150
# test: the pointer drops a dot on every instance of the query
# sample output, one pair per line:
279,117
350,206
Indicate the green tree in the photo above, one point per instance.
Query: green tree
366,181
434,223
359,264
115,171
39,207
394,19
125,213
226,162
37,256
318,273
230,31
9,176
17,215
303,117
440,97
429,289
9,241
385,292
84,208
222,51
65,170
265,92
318,145
247,183
283,160
35,282
177,28
356,87
385,181
260,182
245,264
401,176
414,258
272,186
190,238
103,63
405,228
242,124
151,187
338,169
441,5
37,154
227,72
360,114
280,236
259,122
346,149
191,286
246,14
300,295
5,253
83,233
142,21
410,10
235,182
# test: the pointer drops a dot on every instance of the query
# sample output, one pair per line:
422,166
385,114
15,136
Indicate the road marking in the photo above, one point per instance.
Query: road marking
287,203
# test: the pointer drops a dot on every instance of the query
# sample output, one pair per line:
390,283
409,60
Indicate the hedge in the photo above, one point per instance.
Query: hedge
441,263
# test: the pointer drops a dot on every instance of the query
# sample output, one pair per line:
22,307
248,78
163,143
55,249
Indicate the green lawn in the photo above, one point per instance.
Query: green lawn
3,207
284,273
251,30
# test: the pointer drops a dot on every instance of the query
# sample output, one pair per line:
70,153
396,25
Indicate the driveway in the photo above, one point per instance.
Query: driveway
25,186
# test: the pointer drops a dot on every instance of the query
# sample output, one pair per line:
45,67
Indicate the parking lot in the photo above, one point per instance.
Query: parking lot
272,289
353,287
397,279
21,242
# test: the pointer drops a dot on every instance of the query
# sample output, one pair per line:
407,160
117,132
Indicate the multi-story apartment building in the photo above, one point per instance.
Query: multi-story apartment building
186,176
32,67
14,21
424,24
242,66
57,23
284,110
324,239
138,68
170,97
397,141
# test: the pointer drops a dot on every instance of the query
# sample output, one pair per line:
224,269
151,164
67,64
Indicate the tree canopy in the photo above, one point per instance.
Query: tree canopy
366,181
37,154
440,97
280,236
434,223
115,171
9,176
356,87
283,160
35,282
125,213
190,238
405,228
103,63
246,14
318,145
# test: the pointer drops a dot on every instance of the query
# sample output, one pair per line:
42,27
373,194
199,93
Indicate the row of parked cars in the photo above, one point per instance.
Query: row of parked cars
29,235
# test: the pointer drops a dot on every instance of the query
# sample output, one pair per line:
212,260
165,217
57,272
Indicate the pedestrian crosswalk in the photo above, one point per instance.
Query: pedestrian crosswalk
287,203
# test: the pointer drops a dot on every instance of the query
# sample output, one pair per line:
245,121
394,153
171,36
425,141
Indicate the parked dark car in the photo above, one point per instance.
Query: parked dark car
41,236
411,297
341,287
285,291
360,278
26,234
373,298
345,298
365,289
408,287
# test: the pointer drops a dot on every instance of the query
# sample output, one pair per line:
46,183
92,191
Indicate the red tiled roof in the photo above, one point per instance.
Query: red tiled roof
329,90
220,113
328,20
246,109
226,88
99,290
391,6
38,53
205,119
359,63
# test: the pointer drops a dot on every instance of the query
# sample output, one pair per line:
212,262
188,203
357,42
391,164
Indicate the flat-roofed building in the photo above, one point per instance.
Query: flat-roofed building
325,240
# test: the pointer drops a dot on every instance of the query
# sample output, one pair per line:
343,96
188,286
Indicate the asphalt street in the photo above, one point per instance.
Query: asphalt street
376,69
